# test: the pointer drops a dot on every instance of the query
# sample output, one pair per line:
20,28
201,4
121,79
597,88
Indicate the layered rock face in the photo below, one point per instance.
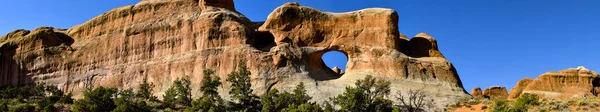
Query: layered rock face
569,83
167,39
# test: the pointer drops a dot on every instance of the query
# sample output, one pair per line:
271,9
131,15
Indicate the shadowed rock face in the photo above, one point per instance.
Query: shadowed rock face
569,83
165,40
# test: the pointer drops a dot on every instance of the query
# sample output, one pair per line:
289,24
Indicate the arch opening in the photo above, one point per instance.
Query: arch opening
264,41
322,64
336,61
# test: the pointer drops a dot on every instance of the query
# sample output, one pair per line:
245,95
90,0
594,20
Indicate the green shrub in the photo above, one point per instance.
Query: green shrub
210,100
22,108
368,95
241,91
145,90
306,107
66,99
295,101
3,105
500,106
96,100
583,102
179,93
525,101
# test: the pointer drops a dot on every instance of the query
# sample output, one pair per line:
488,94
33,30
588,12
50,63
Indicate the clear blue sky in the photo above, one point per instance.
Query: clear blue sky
490,42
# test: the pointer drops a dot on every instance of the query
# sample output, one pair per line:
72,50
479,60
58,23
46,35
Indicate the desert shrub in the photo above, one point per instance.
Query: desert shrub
524,102
415,100
594,105
500,106
583,102
97,100
329,108
22,108
12,92
559,107
3,105
368,95
46,104
484,107
306,107
571,102
66,99
297,100
127,101
129,106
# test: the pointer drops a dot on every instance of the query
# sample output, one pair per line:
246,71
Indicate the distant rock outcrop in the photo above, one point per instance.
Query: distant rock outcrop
162,40
495,93
569,83
337,70
477,93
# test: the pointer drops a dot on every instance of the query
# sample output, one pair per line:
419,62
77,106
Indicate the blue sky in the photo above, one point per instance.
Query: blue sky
490,42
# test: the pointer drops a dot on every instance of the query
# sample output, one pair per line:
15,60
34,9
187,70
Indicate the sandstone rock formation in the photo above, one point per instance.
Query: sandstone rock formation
516,91
167,39
477,93
572,82
337,70
495,93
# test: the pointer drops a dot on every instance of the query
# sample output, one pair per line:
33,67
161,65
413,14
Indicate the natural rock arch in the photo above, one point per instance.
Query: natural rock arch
318,67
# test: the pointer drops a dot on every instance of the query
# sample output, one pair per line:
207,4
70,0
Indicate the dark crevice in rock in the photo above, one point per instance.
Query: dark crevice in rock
263,41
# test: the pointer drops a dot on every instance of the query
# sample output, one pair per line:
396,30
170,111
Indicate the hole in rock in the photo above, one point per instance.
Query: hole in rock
336,61
327,64
264,41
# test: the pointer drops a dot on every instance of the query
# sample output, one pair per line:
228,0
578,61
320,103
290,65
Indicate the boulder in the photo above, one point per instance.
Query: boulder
337,70
495,93
477,93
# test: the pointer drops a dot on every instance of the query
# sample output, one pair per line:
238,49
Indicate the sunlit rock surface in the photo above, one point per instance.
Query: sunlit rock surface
167,39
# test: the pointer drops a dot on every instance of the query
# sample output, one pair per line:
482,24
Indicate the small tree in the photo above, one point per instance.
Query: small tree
179,93
169,97
413,100
368,95
275,101
145,90
300,95
241,91
210,100
128,102
328,107
96,100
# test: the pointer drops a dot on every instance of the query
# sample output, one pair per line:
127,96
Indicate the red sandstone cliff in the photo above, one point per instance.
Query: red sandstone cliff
167,39
572,82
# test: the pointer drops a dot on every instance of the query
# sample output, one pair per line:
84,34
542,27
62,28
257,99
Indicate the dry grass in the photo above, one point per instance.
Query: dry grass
591,104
